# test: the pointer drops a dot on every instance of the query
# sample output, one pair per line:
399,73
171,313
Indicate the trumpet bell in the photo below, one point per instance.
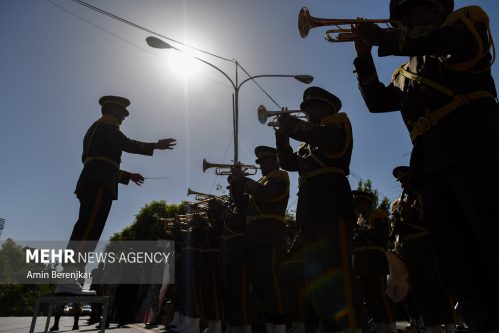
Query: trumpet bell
304,25
262,114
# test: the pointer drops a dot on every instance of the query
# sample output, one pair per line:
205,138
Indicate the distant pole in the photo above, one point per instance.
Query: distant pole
2,224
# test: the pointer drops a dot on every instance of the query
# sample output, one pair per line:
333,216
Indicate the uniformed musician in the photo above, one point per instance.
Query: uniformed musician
210,269
265,235
432,303
369,261
238,303
447,98
325,205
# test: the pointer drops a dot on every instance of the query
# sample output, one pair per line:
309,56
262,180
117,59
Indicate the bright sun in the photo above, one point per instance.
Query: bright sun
183,64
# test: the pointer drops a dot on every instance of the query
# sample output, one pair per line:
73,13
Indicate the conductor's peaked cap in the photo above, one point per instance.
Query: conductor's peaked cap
117,100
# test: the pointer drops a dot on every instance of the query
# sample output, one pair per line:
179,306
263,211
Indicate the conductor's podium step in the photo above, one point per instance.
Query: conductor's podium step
52,300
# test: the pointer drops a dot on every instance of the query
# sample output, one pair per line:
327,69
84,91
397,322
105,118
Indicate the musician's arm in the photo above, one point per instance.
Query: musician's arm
287,158
378,97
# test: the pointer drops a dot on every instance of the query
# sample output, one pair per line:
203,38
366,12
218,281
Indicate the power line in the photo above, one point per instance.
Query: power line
135,25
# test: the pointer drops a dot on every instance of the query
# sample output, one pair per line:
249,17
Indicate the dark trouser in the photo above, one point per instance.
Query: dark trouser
371,268
292,273
328,273
378,305
191,301
428,294
95,204
210,280
236,294
461,207
264,265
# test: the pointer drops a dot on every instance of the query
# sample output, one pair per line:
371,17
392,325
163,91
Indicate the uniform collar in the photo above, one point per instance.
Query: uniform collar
109,120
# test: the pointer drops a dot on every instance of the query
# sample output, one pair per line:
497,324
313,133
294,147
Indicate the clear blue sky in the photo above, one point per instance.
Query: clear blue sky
55,65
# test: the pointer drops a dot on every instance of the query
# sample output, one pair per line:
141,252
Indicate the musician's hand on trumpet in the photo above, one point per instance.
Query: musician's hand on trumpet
367,33
237,173
285,122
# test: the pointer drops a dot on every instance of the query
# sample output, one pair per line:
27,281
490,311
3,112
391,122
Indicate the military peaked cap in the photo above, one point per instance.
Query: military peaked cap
264,151
121,101
400,172
357,194
319,94
398,6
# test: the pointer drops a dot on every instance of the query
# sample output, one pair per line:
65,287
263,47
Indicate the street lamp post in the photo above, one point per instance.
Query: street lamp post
160,44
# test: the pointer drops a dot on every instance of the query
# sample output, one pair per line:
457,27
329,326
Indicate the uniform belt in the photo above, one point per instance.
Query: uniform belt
102,158
413,236
425,123
263,216
304,177
368,247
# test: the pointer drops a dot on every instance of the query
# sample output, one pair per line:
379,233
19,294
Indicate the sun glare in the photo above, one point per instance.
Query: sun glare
183,64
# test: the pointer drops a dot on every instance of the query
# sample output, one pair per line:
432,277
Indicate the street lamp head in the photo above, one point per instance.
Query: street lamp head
307,79
157,43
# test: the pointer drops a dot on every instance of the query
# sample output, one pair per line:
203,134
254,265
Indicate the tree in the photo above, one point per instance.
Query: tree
18,299
149,222
366,186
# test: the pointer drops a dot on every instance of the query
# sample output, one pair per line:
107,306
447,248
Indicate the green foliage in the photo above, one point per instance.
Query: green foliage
149,222
18,299
366,186
290,217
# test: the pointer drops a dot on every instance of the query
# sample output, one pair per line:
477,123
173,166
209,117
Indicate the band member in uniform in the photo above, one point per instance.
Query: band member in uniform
190,313
325,206
209,268
447,98
294,283
97,186
369,261
414,246
265,234
237,300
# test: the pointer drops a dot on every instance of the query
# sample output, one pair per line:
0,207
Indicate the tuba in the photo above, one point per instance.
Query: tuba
342,33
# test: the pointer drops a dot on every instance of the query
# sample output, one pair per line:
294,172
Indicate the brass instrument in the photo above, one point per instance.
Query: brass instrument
225,169
204,198
199,195
264,114
342,33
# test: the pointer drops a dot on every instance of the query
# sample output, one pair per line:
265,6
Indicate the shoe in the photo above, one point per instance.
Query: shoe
54,328
76,327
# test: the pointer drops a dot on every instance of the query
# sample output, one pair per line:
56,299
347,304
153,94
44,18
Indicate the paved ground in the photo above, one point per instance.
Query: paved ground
23,324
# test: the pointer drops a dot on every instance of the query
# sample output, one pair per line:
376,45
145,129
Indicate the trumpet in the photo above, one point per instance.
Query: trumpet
225,169
204,198
199,195
341,33
264,114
